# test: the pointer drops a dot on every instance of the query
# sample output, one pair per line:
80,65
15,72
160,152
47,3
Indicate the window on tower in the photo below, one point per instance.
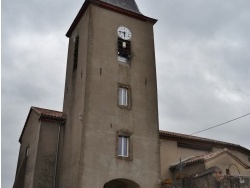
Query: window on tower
76,41
124,50
123,146
124,95
27,151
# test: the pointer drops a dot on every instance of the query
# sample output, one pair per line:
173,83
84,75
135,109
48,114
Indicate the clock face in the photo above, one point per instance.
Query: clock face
124,33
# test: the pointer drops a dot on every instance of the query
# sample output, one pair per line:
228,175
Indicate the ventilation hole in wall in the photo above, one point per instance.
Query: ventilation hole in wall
111,125
81,74
100,71
146,81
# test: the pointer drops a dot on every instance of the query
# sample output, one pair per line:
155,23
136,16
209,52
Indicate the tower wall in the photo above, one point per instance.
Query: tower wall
94,118
73,107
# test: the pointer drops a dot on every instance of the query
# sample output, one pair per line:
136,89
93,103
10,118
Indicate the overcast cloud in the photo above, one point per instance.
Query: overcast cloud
202,55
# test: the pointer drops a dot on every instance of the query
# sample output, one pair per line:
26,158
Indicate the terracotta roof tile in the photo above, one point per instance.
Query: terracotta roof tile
202,141
45,115
207,157
48,113
194,138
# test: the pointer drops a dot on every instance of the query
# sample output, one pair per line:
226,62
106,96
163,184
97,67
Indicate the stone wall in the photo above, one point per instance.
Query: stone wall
236,182
211,178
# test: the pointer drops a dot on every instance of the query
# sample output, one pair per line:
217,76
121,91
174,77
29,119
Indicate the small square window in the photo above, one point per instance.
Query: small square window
123,146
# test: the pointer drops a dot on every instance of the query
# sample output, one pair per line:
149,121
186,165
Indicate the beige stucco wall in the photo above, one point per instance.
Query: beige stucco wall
89,157
224,161
244,157
46,155
73,107
30,139
241,155
42,139
171,154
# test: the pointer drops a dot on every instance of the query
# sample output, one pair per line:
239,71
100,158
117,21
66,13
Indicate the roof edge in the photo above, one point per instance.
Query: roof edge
43,117
109,7
204,160
180,137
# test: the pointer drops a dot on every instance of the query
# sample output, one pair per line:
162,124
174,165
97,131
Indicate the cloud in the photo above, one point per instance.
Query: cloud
201,55
202,66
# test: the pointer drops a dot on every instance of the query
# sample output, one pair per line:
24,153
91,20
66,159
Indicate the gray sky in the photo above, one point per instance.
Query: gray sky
202,55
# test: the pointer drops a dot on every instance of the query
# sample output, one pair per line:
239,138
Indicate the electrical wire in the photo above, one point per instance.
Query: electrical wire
220,124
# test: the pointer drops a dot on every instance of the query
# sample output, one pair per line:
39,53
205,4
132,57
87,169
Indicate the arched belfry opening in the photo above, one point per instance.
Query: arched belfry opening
121,183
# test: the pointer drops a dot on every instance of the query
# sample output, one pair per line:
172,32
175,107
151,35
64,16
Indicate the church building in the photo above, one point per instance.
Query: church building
107,135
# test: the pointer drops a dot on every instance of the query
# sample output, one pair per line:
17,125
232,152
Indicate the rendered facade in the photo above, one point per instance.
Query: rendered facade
107,135
110,97
195,154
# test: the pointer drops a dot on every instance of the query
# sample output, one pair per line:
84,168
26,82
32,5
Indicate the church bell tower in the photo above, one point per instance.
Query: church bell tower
111,135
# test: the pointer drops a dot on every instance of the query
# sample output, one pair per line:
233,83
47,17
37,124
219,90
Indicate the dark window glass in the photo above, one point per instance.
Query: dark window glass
124,48
76,52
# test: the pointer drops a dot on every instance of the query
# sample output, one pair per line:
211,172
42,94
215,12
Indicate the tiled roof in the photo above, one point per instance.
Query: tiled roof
48,113
195,138
129,5
201,141
45,115
208,157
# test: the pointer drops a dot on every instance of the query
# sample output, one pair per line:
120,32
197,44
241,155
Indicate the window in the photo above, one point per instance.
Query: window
123,146
76,40
124,50
27,151
124,96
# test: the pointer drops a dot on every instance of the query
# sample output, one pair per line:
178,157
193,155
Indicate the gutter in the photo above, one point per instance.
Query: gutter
57,152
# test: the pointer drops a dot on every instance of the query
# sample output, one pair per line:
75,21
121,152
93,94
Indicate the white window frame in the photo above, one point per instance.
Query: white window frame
123,96
124,150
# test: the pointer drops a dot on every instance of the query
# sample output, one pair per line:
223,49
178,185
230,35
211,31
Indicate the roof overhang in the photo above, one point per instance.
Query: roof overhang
109,7
208,157
196,141
43,117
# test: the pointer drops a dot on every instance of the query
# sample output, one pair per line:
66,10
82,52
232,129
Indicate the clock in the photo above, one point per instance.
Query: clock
124,33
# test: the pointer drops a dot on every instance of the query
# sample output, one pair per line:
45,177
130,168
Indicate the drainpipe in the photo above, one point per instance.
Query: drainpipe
57,150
